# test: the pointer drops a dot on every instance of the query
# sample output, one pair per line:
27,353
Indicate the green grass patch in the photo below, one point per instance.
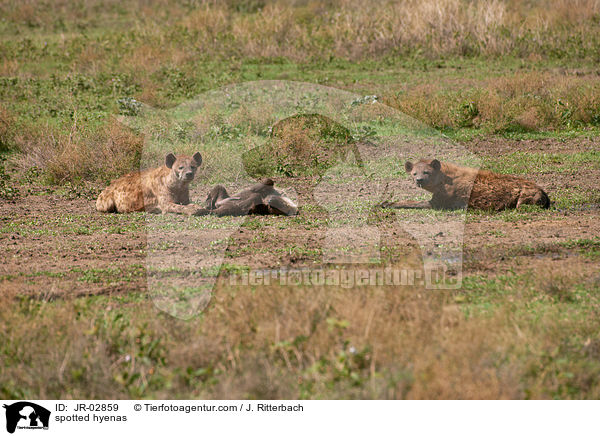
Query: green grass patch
523,162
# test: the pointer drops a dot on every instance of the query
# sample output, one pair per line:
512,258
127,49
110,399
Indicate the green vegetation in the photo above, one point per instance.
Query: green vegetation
538,326
521,162
64,76
306,144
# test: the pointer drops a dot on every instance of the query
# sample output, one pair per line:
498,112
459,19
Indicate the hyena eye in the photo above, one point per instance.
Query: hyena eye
181,167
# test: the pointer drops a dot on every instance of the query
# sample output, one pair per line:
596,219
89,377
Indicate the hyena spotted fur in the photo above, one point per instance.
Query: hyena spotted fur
158,190
456,187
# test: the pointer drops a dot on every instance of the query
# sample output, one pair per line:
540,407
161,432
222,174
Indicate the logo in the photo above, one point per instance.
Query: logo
26,415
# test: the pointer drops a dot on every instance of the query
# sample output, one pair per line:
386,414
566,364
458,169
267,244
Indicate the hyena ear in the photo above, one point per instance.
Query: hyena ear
436,165
408,166
170,160
198,158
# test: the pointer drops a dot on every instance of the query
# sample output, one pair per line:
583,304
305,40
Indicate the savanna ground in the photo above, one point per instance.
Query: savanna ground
516,84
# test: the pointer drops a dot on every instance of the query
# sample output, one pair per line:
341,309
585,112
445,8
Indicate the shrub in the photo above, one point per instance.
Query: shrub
94,155
7,129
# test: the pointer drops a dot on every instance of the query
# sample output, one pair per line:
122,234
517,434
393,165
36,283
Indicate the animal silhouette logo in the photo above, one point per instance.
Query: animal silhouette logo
26,415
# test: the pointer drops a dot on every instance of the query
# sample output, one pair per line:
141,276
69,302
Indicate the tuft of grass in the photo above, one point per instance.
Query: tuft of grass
502,337
8,189
517,103
7,129
306,144
98,155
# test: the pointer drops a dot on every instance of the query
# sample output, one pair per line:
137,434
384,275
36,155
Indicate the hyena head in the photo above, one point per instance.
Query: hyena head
426,174
183,167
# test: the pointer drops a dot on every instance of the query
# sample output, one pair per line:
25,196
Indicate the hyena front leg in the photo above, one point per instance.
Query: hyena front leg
406,205
187,209
235,206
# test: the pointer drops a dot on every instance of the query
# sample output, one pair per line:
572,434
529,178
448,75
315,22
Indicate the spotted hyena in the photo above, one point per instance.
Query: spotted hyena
159,190
456,187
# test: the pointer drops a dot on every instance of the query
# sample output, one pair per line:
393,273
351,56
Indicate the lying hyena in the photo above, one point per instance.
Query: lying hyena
158,190
456,187
260,199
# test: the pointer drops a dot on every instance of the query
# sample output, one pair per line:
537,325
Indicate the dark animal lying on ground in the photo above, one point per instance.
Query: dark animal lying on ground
456,187
304,146
259,199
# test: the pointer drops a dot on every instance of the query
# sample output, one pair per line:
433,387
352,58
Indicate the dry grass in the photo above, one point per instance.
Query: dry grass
314,342
81,155
301,145
531,100
7,129
150,50
344,28
523,102
253,121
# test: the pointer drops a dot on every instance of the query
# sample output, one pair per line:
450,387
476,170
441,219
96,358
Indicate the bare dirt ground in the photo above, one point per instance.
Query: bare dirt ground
42,258
57,245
